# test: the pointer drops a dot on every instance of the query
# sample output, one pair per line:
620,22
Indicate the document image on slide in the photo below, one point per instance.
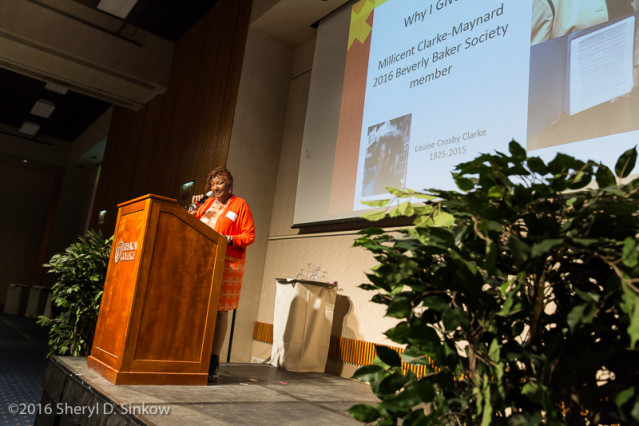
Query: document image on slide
583,84
386,156
601,65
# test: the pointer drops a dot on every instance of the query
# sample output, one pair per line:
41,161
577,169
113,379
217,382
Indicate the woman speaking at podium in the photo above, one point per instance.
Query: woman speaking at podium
230,216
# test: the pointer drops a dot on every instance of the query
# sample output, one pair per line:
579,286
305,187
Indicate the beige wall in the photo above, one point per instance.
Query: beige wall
264,158
253,159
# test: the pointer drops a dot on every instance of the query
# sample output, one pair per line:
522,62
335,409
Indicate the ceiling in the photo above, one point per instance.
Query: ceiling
169,19
74,112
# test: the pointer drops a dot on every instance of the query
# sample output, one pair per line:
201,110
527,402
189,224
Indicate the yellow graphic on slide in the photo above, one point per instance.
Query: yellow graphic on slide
360,30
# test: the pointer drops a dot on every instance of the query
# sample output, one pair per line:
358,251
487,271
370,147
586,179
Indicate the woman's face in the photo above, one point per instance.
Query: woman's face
221,188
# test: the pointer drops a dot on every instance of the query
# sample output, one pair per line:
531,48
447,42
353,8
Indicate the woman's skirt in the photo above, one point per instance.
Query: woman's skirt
231,283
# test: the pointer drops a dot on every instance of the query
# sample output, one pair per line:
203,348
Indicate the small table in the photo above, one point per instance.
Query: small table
303,318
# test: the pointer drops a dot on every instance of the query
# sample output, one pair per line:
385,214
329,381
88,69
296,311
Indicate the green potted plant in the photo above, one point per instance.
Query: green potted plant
519,292
76,294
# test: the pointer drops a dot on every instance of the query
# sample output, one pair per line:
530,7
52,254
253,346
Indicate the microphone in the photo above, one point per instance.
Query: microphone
197,204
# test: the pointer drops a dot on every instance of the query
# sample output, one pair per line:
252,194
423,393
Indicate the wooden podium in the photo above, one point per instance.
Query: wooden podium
161,295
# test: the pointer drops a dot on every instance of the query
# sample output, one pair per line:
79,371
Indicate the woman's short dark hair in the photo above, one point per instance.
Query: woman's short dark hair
219,171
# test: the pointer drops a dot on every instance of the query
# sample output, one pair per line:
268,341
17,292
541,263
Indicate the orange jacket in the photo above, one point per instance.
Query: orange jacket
237,221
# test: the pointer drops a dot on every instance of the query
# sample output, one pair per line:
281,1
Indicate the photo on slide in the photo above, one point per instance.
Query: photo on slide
386,156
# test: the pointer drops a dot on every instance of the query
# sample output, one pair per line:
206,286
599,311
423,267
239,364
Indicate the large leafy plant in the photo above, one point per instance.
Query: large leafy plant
519,292
76,295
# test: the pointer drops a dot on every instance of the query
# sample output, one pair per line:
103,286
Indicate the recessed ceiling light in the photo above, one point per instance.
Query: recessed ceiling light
43,108
120,8
29,128
58,88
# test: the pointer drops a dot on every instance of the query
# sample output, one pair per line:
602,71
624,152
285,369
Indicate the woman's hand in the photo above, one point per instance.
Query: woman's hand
195,201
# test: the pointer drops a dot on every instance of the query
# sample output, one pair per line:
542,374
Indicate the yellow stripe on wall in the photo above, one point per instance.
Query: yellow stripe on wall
344,349
263,332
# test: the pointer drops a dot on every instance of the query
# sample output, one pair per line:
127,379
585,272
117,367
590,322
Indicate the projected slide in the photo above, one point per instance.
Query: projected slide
448,65
428,84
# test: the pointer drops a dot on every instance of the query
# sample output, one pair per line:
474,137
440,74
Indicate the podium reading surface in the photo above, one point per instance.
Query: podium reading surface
161,295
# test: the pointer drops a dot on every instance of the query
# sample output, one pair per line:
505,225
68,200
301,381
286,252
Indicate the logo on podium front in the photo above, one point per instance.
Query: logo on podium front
125,251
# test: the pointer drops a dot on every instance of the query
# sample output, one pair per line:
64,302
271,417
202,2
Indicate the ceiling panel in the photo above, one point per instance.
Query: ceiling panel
74,112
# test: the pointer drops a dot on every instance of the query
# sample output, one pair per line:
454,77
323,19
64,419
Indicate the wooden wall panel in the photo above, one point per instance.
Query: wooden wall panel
183,134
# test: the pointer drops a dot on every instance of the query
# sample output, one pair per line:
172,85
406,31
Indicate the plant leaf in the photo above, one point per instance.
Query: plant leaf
369,373
399,308
376,203
392,383
463,183
364,413
629,252
577,315
517,150
544,246
496,191
604,177
388,356
626,163
374,216
630,306
531,392
537,165
425,390
399,333
624,396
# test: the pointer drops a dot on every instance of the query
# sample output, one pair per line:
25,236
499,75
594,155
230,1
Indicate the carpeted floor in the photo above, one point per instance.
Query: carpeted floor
23,349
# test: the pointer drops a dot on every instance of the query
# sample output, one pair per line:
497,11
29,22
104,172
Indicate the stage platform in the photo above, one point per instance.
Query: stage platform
246,394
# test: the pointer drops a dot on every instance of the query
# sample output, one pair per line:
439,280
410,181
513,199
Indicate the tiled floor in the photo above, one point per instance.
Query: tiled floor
247,394
23,348
250,394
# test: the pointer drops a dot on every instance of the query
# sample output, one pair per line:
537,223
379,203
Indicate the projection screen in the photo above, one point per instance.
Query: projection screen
403,90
